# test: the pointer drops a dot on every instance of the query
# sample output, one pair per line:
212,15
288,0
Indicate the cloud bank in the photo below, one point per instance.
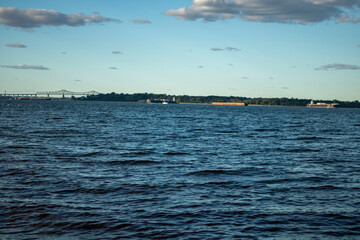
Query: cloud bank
280,11
15,45
141,21
33,18
338,66
26,67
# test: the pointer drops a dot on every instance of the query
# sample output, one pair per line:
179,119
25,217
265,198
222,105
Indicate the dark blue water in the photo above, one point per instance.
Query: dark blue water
109,170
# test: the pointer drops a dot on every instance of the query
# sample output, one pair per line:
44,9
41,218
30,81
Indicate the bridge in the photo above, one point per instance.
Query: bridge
63,93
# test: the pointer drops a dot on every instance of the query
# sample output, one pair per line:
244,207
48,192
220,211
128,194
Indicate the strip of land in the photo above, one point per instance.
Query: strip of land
142,97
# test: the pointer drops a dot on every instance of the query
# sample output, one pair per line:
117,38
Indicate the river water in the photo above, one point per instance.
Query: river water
111,170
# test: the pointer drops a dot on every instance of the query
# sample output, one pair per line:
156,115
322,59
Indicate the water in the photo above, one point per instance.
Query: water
110,170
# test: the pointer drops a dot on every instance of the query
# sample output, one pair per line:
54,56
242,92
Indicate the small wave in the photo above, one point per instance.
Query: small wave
313,179
172,215
121,226
248,153
208,172
196,130
297,150
306,138
146,152
296,125
340,216
89,154
58,131
89,225
276,181
82,190
133,162
20,147
220,183
216,172
230,131
17,171
175,153
267,130
324,187
55,118
331,130
182,117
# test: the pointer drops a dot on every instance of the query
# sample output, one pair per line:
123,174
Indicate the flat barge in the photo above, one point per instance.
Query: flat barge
229,104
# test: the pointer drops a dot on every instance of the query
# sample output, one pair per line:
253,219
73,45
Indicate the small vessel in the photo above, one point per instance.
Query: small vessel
161,101
322,105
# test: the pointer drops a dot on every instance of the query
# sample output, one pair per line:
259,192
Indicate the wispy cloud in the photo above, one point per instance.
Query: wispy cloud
343,18
141,21
77,80
113,68
26,67
117,52
32,18
15,45
281,11
216,49
338,66
232,49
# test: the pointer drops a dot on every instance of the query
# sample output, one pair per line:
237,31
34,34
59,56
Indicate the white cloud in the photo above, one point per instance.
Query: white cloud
338,66
16,45
32,18
141,21
24,66
281,11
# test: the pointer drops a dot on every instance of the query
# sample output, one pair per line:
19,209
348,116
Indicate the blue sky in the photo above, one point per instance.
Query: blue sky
251,48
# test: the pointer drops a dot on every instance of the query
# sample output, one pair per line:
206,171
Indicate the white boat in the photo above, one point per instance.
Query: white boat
322,105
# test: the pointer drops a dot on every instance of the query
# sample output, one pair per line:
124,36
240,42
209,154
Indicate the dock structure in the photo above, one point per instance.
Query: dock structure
229,104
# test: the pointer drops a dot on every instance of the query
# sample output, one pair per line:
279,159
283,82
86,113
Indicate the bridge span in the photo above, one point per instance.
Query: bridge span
63,93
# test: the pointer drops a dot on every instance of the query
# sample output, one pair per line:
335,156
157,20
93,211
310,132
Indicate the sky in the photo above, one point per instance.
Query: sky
251,48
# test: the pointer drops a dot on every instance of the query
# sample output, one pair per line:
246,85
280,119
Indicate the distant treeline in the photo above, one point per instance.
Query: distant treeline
124,97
